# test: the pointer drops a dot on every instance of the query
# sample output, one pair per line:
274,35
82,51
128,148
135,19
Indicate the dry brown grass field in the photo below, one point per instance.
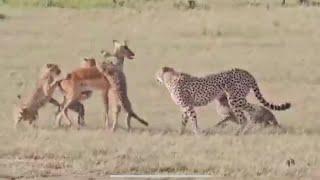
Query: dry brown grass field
280,46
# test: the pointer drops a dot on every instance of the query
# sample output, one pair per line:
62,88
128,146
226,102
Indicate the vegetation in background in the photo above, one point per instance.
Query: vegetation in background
279,46
60,3
180,4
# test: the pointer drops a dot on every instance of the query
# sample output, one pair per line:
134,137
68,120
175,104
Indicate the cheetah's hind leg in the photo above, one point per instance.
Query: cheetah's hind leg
238,105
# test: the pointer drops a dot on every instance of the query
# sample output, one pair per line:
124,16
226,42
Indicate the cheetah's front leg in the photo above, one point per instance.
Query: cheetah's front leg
184,122
189,113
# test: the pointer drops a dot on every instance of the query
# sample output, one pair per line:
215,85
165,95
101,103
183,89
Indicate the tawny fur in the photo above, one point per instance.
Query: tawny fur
118,97
27,109
77,106
87,79
260,115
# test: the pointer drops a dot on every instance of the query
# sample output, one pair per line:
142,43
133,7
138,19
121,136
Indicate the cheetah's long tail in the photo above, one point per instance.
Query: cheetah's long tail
263,101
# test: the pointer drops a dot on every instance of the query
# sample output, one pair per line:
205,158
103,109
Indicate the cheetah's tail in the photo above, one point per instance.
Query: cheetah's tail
263,101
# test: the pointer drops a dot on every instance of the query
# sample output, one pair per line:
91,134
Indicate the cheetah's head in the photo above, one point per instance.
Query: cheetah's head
88,62
165,74
50,70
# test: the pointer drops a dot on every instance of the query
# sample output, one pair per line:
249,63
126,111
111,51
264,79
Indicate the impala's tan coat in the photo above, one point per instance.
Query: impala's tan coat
87,79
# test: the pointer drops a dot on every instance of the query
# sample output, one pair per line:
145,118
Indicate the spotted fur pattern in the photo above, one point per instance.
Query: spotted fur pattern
190,91
260,115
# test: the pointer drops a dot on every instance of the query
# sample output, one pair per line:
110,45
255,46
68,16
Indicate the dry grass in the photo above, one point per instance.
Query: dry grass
280,46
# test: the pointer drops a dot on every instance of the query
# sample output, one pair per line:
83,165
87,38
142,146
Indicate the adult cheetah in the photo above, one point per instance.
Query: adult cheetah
189,91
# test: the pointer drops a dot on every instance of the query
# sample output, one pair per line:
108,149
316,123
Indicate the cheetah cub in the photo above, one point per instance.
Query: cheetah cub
118,97
260,115
27,109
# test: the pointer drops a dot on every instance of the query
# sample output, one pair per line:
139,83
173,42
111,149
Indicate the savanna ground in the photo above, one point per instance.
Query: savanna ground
279,45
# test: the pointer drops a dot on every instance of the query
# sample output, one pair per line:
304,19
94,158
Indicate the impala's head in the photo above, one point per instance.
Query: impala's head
88,62
120,50
50,70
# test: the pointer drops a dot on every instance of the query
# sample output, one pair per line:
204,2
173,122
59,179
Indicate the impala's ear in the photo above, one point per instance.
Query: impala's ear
105,54
18,96
68,76
125,42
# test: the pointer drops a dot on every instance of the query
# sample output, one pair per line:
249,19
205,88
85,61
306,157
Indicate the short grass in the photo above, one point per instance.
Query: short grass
280,46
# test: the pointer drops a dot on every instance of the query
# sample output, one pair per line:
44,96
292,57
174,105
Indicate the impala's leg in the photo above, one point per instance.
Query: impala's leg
65,112
78,107
56,103
33,123
70,99
81,113
106,108
61,106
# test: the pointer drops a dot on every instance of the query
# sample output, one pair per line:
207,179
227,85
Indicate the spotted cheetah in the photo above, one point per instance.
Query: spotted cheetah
189,91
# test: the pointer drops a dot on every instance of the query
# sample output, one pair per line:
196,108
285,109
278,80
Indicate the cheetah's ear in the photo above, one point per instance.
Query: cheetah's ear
105,54
19,96
49,65
167,69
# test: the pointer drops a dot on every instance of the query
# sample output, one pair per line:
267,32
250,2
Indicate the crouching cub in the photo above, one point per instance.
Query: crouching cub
260,114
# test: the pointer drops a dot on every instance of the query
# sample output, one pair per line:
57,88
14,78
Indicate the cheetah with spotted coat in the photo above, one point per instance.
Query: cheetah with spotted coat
189,91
